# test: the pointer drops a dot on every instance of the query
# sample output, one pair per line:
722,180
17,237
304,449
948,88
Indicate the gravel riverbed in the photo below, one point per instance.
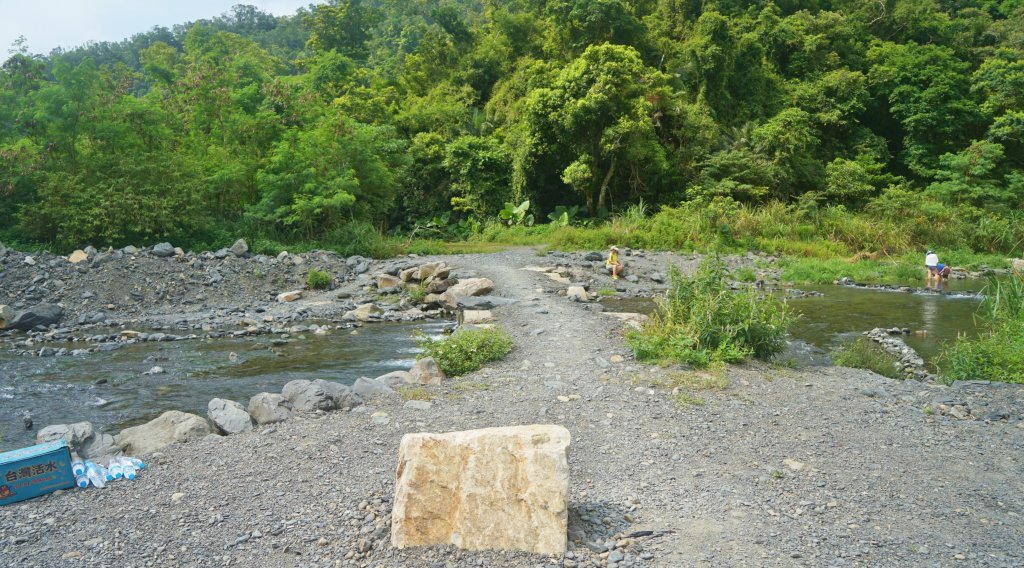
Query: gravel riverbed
823,466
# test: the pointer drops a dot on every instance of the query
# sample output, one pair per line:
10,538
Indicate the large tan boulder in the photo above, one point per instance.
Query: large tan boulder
1017,264
78,256
496,488
468,287
170,427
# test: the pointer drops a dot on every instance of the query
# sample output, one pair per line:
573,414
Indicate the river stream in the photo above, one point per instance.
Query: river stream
61,390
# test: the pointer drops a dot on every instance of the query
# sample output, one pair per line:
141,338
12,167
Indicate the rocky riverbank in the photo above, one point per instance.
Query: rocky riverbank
778,467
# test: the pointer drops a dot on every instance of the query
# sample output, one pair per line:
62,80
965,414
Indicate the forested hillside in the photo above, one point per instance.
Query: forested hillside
357,116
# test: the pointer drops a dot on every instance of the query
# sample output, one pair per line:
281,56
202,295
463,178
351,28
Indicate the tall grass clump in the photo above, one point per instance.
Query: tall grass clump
701,321
998,354
467,350
862,353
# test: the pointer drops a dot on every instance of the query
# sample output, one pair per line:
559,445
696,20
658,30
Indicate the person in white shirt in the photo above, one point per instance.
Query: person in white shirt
931,262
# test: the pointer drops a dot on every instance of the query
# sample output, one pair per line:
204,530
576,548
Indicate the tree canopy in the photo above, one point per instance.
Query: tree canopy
393,114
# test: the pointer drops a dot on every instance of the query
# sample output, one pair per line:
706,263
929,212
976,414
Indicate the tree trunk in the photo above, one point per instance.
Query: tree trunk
604,185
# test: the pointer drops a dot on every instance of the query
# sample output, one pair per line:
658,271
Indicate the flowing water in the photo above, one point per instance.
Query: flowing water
61,390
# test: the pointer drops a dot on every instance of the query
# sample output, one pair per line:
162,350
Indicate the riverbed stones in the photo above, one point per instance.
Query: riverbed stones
74,434
168,428
82,438
468,287
310,396
163,250
42,315
577,294
78,256
395,378
357,264
6,315
228,416
476,317
495,488
426,371
387,282
291,296
433,270
409,274
367,388
268,408
240,248
364,312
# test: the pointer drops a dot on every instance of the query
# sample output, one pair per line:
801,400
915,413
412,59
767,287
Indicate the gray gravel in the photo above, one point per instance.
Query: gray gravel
817,467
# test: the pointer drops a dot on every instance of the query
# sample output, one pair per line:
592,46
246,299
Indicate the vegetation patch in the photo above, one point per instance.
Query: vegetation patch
317,279
414,393
862,353
702,322
998,354
467,350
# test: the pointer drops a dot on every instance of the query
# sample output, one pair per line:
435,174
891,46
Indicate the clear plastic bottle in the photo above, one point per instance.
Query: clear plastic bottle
128,467
77,465
139,464
114,470
96,474
81,480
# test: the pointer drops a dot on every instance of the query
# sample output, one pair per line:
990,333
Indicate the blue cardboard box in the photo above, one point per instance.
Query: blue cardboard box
34,471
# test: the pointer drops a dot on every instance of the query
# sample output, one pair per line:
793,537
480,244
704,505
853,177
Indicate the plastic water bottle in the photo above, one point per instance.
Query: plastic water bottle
81,480
114,471
139,464
77,466
96,474
128,467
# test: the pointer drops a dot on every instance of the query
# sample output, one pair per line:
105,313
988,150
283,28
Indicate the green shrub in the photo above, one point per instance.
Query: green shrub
862,353
467,350
702,322
317,279
998,354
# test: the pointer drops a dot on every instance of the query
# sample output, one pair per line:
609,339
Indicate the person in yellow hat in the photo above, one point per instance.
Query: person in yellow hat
613,264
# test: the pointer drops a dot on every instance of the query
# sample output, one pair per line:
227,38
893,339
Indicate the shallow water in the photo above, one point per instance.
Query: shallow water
60,390
842,313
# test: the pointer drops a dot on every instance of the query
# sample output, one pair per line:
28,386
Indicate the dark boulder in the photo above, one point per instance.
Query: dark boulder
41,315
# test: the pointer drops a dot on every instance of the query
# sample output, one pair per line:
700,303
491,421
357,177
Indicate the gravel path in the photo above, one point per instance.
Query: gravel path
821,467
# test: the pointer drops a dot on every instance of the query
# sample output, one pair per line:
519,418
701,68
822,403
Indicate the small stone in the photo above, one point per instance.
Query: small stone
177,497
322,542
617,358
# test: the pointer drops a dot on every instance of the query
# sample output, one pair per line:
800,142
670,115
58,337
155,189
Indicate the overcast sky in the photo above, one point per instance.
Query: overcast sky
47,24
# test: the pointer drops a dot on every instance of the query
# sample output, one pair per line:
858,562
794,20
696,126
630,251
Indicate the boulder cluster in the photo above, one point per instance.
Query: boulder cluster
226,417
